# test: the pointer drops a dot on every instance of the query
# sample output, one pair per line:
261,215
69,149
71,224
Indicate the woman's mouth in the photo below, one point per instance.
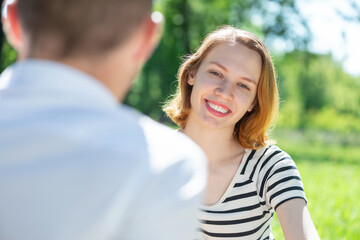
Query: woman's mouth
217,109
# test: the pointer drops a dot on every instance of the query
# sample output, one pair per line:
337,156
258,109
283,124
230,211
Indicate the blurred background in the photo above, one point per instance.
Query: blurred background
316,51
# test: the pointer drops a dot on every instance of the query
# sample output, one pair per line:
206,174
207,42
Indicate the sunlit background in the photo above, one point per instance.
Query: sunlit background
315,47
335,26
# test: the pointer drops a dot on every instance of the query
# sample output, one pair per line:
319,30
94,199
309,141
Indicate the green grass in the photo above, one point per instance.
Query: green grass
331,177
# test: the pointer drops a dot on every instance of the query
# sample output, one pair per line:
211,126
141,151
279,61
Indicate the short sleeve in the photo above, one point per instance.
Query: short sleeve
284,183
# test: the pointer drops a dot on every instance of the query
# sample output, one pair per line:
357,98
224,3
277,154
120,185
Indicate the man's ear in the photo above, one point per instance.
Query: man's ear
11,24
150,35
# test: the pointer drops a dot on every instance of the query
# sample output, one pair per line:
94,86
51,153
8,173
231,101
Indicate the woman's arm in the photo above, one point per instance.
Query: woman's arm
295,220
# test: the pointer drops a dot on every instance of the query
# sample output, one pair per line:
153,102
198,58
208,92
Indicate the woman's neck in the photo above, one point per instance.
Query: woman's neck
218,144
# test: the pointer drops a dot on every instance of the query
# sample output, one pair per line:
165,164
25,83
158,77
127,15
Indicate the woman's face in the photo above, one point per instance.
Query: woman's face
224,86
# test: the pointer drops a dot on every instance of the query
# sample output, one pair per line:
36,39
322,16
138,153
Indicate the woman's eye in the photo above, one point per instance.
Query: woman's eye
217,74
243,86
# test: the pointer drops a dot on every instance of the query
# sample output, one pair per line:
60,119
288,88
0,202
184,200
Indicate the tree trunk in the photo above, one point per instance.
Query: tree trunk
185,11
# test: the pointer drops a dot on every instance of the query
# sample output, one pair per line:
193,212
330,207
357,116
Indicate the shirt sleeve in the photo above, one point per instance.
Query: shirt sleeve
284,183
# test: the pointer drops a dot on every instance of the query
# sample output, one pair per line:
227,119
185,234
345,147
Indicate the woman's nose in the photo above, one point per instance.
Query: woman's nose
224,91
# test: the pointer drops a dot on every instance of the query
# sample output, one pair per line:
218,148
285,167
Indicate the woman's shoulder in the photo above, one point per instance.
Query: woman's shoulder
267,158
268,151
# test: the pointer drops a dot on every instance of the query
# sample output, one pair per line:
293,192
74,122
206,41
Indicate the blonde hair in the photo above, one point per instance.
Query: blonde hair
251,130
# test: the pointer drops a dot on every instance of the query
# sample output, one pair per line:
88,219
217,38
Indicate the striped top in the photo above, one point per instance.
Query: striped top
266,178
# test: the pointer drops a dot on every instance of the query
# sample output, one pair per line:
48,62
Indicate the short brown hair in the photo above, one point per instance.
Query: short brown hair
80,26
250,130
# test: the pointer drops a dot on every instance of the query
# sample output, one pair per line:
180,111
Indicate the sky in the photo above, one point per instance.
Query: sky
331,33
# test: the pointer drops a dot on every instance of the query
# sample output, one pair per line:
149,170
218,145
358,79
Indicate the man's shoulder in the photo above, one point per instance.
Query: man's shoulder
166,142
130,131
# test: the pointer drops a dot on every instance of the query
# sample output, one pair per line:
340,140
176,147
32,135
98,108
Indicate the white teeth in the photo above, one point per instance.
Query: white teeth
217,108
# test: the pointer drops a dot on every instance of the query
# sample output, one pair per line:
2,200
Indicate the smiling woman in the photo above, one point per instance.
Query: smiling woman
222,87
226,100
250,129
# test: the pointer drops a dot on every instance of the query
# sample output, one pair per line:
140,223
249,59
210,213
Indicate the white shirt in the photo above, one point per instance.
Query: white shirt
74,164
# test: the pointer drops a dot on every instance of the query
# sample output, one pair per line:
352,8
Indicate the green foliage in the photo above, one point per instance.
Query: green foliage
7,56
317,94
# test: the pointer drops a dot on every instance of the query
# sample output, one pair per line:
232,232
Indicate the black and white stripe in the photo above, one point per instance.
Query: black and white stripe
265,179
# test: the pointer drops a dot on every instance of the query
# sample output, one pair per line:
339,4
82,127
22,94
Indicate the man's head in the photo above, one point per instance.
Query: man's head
73,27
87,30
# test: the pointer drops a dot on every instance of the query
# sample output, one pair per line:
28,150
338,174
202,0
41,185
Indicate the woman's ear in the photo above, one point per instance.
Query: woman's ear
251,107
191,78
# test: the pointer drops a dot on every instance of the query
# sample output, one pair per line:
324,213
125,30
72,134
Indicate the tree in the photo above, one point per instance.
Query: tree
317,93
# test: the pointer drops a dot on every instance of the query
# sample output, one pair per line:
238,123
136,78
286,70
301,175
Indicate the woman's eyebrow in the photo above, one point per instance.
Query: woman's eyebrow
225,69
219,65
